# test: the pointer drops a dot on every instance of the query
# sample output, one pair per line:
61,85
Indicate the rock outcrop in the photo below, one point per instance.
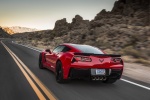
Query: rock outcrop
138,10
79,23
61,27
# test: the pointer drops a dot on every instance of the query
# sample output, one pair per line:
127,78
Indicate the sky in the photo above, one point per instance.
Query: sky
42,14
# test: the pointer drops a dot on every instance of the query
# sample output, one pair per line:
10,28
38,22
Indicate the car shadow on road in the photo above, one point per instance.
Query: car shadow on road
79,82
88,82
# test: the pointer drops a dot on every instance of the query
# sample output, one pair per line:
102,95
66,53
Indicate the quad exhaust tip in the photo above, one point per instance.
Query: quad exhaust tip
97,78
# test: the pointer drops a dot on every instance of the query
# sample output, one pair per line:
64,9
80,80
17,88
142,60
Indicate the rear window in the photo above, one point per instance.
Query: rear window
66,49
87,49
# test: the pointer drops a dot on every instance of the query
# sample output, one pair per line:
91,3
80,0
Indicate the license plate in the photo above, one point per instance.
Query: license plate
100,71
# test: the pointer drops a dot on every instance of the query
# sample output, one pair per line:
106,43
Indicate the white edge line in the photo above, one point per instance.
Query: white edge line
139,85
133,83
28,47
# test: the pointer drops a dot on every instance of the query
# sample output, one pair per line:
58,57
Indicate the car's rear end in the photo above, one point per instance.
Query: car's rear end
92,63
100,66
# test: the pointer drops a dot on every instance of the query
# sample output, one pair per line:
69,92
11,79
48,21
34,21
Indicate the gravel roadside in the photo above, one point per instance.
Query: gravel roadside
137,71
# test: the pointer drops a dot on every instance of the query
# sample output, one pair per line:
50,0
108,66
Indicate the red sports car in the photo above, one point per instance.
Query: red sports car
71,61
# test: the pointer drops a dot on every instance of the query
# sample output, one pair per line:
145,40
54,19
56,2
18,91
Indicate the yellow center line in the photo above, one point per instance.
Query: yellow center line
48,93
37,91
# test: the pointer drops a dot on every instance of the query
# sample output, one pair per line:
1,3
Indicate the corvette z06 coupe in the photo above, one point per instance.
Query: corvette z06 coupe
74,61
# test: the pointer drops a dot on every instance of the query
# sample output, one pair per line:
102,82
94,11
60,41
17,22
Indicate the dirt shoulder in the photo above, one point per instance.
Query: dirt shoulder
137,72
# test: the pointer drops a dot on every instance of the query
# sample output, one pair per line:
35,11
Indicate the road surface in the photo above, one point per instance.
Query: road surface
21,79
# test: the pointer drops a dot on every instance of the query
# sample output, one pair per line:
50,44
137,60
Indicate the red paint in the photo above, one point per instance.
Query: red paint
50,59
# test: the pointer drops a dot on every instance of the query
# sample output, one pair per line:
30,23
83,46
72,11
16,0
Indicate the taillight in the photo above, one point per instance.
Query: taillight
82,58
116,60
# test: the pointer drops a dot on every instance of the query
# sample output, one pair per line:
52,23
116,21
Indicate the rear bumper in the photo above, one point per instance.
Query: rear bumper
79,73
86,73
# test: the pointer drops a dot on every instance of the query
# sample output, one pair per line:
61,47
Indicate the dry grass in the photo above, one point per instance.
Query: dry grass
130,51
135,53
128,59
142,61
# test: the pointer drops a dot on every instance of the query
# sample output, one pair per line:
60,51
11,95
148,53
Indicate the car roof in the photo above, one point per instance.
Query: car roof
71,44
83,48
74,46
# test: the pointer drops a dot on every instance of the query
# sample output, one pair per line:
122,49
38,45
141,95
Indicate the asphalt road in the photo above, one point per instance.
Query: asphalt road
14,85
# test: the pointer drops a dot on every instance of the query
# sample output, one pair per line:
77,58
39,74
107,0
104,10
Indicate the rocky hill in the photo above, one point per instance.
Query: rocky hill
124,30
4,34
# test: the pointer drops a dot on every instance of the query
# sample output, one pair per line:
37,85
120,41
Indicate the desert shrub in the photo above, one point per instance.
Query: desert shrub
136,53
130,51
45,40
143,61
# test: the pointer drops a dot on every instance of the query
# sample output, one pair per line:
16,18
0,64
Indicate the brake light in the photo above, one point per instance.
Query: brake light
116,60
82,58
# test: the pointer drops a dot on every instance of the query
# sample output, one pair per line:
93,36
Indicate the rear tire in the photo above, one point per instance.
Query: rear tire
40,62
59,73
110,81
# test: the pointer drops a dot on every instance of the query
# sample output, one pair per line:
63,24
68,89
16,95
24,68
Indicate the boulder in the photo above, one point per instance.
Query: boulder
79,23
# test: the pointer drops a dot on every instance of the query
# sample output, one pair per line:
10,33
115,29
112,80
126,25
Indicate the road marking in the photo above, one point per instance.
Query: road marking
133,83
28,47
48,93
36,90
139,85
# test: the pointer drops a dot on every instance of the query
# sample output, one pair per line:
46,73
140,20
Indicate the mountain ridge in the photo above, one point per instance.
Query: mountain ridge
18,29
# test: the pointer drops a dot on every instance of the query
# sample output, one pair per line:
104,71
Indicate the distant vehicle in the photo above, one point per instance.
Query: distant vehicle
74,61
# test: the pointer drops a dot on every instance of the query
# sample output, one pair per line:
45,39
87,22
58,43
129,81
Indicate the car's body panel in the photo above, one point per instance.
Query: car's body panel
101,61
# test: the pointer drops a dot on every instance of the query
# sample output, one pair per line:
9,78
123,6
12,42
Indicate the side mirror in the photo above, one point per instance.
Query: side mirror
48,50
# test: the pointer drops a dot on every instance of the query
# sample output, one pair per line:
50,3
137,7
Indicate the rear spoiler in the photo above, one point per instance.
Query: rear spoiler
92,54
